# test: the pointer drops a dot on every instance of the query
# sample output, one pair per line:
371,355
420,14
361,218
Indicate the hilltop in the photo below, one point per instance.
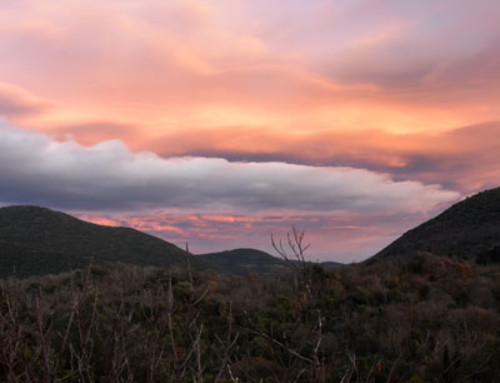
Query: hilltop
468,230
36,240
244,261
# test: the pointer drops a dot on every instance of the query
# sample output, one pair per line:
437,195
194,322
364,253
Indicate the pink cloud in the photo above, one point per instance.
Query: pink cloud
215,201
342,237
189,54
379,87
16,102
464,158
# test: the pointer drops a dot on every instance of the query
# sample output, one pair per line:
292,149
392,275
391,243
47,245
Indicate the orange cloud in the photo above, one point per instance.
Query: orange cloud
364,84
165,68
17,103
465,158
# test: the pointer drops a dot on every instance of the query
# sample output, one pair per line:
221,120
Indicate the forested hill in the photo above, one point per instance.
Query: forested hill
37,241
244,261
469,230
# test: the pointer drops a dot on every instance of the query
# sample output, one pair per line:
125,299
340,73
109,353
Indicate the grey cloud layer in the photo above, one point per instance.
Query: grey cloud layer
36,169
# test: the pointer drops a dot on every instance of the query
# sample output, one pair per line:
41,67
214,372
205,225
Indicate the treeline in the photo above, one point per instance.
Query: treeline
413,319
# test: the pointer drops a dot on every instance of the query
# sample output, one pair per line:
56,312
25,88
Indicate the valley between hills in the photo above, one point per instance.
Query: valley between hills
81,302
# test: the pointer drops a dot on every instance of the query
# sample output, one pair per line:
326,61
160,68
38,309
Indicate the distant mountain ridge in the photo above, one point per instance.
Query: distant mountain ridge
469,230
244,261
36,240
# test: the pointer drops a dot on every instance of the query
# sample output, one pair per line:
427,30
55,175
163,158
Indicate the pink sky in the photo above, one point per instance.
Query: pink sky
219,123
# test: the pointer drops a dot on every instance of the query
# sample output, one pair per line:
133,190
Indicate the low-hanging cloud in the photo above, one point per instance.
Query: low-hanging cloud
36,169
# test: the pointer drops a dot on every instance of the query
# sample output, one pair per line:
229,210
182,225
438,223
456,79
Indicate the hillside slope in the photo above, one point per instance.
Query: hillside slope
244,261
469,230
35,240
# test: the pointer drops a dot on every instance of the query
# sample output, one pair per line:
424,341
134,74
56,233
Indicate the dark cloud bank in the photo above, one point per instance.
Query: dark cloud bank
36,169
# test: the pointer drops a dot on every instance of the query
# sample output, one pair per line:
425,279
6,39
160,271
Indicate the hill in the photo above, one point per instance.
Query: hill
36,241
330,265
468,230
244,261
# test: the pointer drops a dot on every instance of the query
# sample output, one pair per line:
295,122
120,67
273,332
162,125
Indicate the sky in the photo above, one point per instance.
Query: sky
219,123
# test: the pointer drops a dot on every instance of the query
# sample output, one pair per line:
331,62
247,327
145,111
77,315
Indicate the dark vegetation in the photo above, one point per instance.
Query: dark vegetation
406,315
40,241
469,230
412,319
37,241
244,261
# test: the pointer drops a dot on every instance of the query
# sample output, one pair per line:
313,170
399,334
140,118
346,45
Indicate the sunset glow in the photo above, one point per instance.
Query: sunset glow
218,123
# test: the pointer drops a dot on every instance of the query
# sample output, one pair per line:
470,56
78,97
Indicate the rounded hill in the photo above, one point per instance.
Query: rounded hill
469,230
36,241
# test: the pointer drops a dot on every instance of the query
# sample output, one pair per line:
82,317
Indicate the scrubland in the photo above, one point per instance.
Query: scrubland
411,319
